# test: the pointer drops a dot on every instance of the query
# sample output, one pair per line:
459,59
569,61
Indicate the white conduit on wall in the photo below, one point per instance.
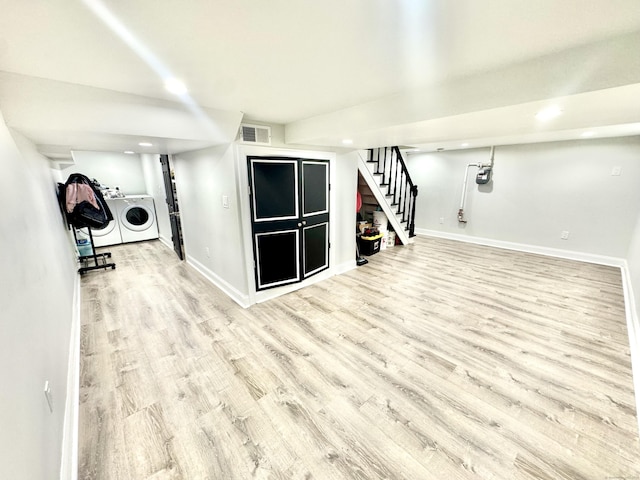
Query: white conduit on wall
463,197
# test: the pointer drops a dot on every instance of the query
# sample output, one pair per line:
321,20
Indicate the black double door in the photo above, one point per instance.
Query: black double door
290,218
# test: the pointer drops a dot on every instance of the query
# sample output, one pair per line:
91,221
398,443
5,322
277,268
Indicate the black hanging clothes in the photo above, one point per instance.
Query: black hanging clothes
84,204
84,207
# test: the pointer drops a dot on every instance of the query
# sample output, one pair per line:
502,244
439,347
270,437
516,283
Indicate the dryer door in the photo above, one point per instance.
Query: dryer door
103,232
136,217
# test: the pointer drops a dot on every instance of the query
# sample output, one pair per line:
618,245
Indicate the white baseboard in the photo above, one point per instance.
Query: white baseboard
245,301
237,296
523,247
344,267
69,461
633,329
272,293
166,241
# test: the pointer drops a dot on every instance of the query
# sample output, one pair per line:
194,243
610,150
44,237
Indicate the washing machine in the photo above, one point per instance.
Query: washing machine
109,235
137,218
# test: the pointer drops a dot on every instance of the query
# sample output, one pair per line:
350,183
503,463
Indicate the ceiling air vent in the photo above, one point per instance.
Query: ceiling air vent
255,134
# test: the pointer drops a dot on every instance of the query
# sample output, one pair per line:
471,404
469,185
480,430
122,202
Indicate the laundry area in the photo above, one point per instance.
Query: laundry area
120,186
134,220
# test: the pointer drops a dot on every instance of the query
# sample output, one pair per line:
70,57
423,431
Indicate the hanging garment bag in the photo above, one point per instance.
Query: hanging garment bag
84,203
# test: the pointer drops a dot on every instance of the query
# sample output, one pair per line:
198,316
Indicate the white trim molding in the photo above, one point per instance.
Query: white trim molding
272,293
344,267
523,247
167,242
237,296
633,329
69,461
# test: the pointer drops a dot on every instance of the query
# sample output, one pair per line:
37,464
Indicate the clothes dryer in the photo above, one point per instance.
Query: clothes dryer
137,217
110,235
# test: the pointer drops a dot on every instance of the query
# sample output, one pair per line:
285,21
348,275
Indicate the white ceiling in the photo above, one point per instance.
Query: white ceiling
88,74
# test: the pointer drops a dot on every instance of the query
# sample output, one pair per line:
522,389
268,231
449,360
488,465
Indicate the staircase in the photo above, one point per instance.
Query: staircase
385,173
369,201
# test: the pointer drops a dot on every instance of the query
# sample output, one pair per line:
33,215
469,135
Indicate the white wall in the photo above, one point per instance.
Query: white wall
632,290
110,169
154,182
538,191
633,264
212,234
344,190
38,275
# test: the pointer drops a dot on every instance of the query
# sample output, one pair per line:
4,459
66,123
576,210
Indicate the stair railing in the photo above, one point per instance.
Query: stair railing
399,186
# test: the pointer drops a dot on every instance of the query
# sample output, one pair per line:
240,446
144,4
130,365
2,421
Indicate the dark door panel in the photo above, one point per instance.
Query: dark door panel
275,190
315,182
277,258
316,248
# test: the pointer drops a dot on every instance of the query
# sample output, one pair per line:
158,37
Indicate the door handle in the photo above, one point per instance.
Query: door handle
304,222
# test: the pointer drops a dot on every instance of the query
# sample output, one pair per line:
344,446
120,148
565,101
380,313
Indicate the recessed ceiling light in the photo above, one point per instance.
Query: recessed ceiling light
129,152
587,134
548,113
347,141
175,86
145,144
465,144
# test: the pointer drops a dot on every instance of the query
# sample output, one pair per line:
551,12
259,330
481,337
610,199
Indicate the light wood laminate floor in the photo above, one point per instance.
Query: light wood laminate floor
438,360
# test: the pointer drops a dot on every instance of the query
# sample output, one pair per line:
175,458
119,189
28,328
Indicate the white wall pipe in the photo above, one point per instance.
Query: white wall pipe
464,191
466,179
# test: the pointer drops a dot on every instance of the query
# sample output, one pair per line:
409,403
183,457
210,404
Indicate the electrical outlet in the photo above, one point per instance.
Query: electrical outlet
616,171
564,235
441,220
48,395
207,252
225,201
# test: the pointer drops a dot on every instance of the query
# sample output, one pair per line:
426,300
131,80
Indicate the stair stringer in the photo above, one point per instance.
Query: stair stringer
373,181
